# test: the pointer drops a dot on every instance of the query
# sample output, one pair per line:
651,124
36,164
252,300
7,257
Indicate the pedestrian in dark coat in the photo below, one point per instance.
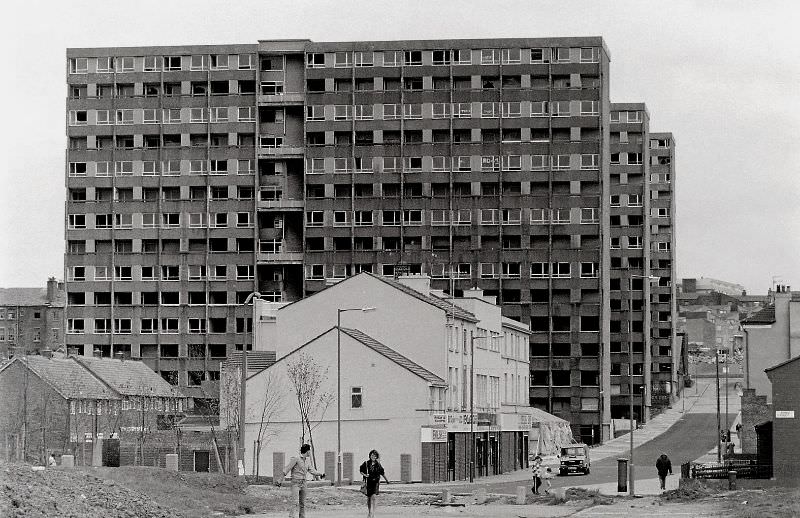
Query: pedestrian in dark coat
372,471
664,467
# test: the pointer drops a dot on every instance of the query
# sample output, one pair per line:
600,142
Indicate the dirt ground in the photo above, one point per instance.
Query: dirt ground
143,492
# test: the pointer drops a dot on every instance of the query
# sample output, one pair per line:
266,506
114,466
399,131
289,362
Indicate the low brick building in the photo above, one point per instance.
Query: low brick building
64,405
755,411
785,415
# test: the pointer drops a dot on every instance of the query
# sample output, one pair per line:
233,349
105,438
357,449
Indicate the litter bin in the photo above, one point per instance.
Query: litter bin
622,475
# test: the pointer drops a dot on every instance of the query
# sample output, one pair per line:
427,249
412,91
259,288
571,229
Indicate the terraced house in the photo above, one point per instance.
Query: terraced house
197,175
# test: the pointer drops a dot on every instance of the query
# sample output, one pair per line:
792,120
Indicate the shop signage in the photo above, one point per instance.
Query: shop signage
784,414
433,434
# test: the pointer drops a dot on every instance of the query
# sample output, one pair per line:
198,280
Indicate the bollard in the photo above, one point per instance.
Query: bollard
171,462
622,475
731,480
480,496
522,493
67,461
446,496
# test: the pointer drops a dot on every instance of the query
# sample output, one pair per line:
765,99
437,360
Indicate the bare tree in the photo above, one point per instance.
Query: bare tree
268,411
307,378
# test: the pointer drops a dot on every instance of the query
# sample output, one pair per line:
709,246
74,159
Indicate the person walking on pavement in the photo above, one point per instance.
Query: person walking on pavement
372,471
664,467
537,474
298,468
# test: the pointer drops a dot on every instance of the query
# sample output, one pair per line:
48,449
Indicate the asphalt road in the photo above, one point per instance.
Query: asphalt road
688,439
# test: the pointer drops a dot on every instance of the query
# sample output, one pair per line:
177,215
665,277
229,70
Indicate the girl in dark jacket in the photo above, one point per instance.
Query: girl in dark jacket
372,471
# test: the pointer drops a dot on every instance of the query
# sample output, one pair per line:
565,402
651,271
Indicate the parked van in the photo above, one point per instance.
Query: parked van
574,459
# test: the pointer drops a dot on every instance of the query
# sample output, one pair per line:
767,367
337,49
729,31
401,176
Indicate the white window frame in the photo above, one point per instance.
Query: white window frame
245,61
590,161
412,111
342,112
590,215
540,162
489,271
364,112
490,56
462,110
219,114
343,59
79,65
312,60
511,56
363,58
391,112
440,164
412,218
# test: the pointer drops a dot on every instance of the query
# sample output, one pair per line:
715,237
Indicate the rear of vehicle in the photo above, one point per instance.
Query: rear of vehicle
574,459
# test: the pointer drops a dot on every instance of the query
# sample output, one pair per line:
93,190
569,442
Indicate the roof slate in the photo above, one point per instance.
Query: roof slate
256,360
29,297
395,356
439,303
68,378
765,316
129,377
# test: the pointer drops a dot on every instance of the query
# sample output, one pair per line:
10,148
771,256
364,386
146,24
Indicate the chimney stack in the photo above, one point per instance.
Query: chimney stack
52,289
46,353
97,353
119,355
72,351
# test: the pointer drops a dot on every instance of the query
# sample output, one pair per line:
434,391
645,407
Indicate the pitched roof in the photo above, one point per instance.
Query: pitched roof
435,301
256,360
29,297
395,356
765,316
129,377
781,364
68,378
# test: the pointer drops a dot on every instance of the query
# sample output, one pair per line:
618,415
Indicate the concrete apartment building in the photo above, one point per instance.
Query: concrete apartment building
642,270
31,319
197,175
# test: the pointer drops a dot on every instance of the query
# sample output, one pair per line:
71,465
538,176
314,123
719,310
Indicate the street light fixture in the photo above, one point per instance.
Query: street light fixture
632,276
243,386
472,339
339,312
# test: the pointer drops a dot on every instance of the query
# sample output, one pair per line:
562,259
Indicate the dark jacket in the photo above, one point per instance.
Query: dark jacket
664,466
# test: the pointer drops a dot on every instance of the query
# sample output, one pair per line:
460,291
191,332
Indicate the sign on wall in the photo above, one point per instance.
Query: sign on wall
433,434
784,414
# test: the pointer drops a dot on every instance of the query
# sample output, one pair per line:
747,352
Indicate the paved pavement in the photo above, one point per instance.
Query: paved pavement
696,409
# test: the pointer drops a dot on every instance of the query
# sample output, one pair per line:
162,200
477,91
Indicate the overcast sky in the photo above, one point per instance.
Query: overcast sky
724,77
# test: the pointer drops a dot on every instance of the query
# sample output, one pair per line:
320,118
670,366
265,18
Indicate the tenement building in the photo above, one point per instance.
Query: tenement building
31,319
199,174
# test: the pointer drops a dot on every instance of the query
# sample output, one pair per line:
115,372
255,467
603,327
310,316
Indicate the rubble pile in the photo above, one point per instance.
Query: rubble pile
70,493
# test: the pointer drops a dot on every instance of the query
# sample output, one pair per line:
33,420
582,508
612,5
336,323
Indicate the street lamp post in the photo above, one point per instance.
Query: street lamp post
243,384
632,276
339,312
719,425
472,339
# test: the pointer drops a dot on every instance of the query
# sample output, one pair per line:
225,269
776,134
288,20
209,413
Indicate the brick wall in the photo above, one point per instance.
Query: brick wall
434,462
755,410
786,431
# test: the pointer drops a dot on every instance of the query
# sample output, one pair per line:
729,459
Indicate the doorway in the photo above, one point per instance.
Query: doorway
201,461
